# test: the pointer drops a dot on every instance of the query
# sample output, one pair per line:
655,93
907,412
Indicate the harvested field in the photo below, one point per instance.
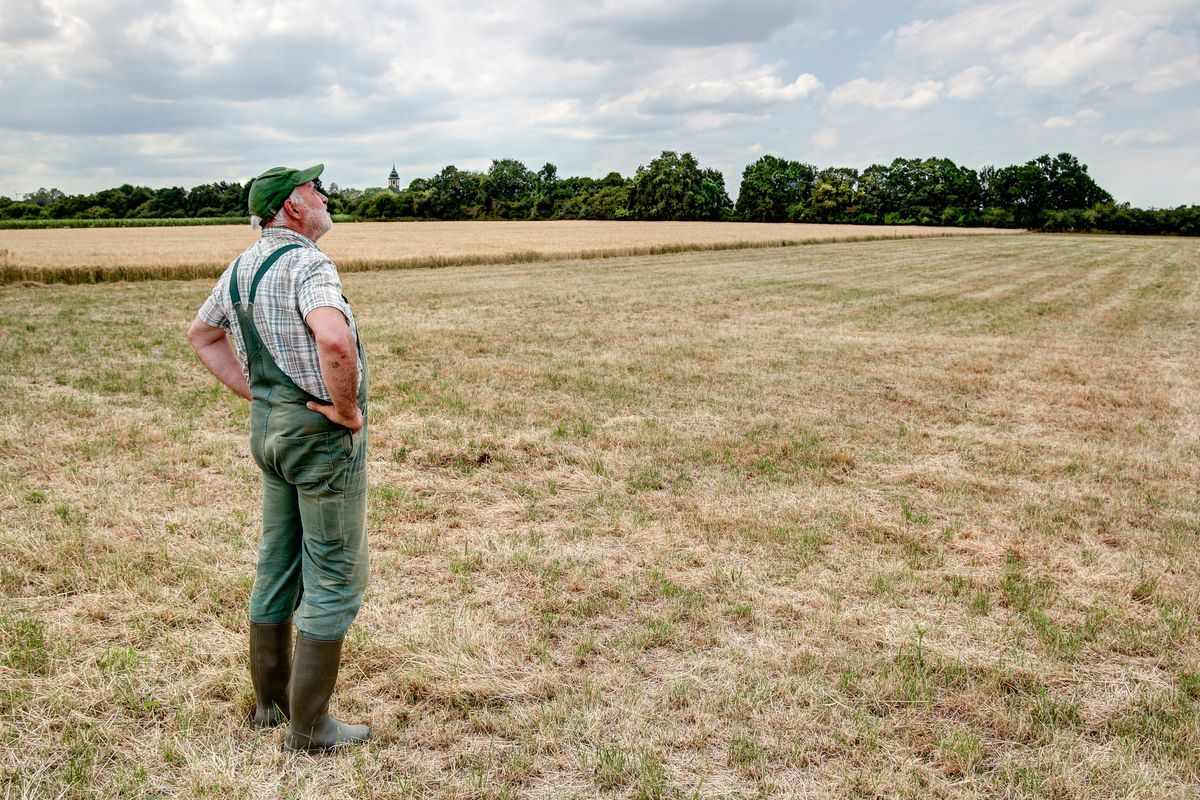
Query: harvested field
883,519
105,254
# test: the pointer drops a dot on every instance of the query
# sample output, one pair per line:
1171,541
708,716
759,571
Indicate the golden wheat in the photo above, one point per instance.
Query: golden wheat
100,254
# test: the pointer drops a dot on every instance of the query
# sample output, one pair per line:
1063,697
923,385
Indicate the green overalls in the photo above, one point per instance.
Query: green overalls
312,558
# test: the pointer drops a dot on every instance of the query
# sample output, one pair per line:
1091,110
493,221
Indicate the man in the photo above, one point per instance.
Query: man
297,358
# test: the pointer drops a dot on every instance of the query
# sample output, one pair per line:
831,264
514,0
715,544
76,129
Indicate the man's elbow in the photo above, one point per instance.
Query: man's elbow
340,344
193,335
201,335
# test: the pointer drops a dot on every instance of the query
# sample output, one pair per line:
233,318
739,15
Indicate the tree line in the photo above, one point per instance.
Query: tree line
1048,193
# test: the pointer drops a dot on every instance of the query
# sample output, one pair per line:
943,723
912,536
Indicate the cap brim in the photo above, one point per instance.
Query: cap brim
310,174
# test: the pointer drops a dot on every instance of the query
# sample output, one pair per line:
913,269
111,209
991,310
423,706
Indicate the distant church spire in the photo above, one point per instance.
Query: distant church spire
394,179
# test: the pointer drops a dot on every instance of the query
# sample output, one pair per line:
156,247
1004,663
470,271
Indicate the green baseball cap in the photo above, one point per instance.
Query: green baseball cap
269,190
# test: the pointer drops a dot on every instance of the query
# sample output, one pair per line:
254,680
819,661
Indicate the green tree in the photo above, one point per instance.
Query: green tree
832,197
1042,185
203,198
674,187
508,189
168,202
1070,186
770,185
68,206
873,197
455,194
43,197
385,205
22,210
545,193
589,198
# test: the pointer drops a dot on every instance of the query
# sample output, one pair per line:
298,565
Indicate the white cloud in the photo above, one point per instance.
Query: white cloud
762,87
1137,136
1177,62
1081,117
26,20
1087,57
824,139
970,83
679,23
990,28
1045,44
734,87
886,94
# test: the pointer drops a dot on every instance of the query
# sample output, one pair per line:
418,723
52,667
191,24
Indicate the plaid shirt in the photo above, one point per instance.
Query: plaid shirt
301,280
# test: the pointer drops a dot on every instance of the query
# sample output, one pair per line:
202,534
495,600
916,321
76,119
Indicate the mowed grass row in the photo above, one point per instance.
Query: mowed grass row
890,519
136,254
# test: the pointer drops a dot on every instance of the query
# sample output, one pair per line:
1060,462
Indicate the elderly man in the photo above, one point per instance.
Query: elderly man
296,356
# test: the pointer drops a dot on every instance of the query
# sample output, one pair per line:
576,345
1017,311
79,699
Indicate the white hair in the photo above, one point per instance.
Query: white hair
258,223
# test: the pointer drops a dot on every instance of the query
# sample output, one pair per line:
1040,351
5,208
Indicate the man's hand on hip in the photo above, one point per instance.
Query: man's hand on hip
353,422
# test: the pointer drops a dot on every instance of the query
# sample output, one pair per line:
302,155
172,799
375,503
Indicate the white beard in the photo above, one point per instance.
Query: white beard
321,225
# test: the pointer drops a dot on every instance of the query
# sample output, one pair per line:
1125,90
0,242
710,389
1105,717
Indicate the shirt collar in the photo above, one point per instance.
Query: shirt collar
284,234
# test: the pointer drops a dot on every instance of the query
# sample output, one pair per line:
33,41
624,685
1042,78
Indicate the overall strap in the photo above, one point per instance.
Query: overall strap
235,295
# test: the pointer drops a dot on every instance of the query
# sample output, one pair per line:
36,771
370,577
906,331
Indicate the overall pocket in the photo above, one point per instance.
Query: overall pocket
308,459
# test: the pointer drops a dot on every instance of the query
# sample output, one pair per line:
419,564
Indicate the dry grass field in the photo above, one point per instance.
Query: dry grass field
880,519
89,255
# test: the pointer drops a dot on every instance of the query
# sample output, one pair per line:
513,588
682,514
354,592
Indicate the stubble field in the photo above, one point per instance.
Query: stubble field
882,519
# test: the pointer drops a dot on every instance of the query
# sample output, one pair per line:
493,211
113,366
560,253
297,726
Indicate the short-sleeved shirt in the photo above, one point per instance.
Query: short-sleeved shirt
300,281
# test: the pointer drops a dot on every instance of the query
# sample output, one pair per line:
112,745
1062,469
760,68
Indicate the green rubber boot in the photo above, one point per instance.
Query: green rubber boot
314,673
270,672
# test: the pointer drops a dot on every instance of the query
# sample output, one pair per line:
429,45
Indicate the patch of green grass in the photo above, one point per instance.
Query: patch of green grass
912,516
915,676
647,479
610,768
575,427
883,585
1063,643
1022,592
980,604
1189,684
962,749
746,754
1050,712
1163,725
728,576
742,611
585,648
466,562
654,632
1143,590
23,644
119,660
681,694
650,781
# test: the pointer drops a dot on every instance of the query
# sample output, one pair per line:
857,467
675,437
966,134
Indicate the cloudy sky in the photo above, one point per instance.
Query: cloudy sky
94,93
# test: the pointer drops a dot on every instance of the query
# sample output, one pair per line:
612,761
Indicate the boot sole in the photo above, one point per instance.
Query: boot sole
326,749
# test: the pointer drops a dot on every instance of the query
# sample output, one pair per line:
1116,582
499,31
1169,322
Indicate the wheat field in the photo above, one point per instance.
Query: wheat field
909,519
90,255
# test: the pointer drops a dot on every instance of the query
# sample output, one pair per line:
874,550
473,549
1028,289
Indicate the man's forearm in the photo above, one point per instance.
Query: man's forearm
212,345
339,370
222,362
